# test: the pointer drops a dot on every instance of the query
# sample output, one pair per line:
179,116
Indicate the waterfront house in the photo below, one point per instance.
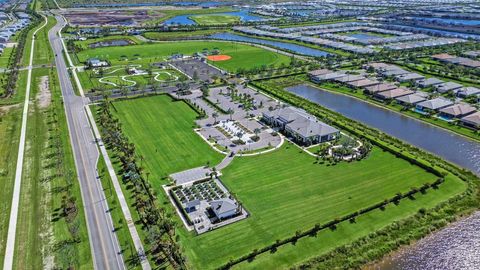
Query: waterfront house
457,111
412,99
379,88
471,121
393,93
349,78
313,75
362,83
433,105
329,76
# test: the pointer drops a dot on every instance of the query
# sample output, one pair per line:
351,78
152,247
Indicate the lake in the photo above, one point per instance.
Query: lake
277,44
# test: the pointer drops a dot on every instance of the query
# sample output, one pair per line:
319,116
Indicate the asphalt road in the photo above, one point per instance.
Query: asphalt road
103,240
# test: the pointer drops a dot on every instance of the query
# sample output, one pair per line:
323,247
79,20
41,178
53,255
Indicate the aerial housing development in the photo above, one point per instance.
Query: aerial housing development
326,134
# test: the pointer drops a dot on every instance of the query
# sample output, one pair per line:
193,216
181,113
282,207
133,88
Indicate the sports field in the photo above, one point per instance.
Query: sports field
162,132
215,19
243,56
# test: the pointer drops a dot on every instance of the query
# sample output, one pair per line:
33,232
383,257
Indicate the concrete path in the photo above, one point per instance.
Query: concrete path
12,225
116,184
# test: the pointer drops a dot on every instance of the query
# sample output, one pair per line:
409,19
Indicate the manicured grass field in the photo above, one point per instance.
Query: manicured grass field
162,132
90,80
243,56
215,19
9,137
286,191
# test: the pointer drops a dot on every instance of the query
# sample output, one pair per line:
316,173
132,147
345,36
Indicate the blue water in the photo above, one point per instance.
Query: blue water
448,145
244,15
450,21
277,44
363,36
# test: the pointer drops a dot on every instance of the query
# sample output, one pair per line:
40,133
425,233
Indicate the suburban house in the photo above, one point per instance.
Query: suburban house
429,82
329,76
433,104
379,88
447,87
349,78
412,99
393,93
362,83
300,125
224,208
314,73
394,72
472,120
468,91
442,57
409,77
457,110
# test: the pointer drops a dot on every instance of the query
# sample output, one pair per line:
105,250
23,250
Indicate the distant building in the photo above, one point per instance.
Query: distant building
95,62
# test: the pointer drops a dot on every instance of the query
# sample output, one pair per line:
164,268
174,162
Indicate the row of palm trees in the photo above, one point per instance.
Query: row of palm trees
160,227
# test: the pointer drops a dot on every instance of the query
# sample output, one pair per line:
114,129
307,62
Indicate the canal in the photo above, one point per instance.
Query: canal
458,245
298,49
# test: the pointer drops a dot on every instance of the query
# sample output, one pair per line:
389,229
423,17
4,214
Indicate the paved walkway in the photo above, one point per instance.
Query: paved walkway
12,225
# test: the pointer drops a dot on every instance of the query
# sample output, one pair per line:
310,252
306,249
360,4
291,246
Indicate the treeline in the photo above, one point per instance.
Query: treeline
15,61
160,227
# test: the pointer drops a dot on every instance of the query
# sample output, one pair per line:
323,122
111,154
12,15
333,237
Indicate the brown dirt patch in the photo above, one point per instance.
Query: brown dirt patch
220,57
44,97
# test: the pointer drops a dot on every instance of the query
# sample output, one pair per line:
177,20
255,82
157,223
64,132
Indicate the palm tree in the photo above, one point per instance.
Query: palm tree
214,115
230,113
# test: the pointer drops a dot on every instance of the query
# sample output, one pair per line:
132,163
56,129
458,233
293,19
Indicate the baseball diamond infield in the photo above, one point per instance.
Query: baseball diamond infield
220,57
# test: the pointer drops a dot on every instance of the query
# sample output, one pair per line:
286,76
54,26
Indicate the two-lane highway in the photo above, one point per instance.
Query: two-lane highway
106,251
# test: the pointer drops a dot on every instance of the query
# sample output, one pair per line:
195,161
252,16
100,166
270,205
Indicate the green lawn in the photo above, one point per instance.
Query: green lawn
5,56
286,191
243,56
90,80
9,136
162,131
215,19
